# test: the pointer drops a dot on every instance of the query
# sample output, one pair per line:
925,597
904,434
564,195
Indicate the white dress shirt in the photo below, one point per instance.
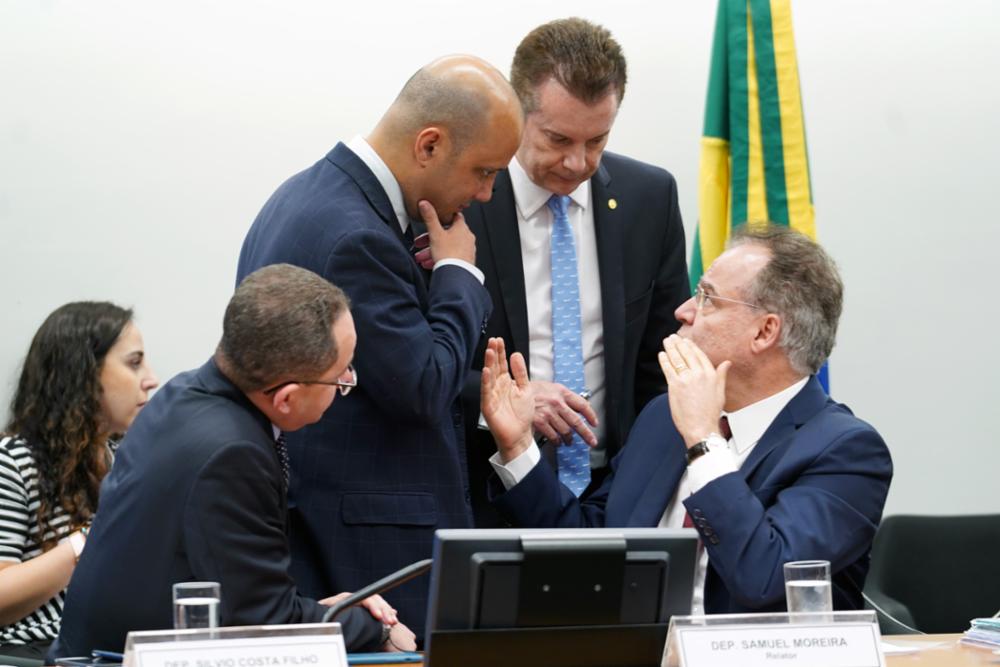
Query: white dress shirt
388,181
534,221
747,425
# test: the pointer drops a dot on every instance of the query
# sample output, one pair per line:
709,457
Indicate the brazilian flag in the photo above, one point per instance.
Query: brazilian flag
754,162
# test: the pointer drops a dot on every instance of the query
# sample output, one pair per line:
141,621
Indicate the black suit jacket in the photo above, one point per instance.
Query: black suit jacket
195,494
643,272
385,466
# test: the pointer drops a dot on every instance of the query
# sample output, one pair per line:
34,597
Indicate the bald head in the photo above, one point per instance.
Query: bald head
455,124
459,93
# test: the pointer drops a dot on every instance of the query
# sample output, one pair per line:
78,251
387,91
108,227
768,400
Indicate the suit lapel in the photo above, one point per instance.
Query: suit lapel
799,410
344,158
504,238
608,229
657,483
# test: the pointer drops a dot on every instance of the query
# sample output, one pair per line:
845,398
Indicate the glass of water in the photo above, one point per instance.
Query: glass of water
807,586
196,604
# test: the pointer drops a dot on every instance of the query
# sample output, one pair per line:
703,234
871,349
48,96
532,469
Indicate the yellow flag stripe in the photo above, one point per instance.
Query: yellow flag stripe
756,185
713,198
801,215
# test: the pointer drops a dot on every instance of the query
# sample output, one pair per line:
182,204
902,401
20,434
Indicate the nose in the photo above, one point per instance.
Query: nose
150,382
485,191
575,158
686,312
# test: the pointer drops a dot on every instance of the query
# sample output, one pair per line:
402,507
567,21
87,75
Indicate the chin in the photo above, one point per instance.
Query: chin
562,186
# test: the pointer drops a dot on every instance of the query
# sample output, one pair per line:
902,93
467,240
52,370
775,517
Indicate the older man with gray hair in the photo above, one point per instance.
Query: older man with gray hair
746,447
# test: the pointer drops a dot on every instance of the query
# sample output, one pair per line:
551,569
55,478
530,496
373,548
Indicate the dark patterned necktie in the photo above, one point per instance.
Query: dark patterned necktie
282,449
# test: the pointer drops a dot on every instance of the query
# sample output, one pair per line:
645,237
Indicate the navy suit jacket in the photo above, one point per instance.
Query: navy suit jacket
812,488
196,494
640,254
385,466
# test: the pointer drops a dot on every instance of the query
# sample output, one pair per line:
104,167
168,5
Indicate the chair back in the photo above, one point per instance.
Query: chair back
936,572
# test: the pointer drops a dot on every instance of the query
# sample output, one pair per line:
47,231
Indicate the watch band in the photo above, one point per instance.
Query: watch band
696,451
699,449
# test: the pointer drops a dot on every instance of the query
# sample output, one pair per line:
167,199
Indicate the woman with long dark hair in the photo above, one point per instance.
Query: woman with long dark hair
83,381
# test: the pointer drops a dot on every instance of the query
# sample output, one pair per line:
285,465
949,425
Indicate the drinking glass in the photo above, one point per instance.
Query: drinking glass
807,586
196,604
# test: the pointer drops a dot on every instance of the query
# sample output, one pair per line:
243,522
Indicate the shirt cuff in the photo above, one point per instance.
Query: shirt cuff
715,463
512,473
471,268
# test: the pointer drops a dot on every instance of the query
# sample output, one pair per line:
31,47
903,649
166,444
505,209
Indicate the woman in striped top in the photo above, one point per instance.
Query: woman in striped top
83,381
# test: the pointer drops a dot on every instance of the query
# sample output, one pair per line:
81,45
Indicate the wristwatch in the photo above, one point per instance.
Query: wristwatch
699,449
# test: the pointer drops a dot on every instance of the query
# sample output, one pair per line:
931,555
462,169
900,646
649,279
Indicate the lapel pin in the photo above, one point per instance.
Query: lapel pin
612,204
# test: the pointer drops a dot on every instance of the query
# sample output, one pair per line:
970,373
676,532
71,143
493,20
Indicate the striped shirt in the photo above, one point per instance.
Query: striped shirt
19,536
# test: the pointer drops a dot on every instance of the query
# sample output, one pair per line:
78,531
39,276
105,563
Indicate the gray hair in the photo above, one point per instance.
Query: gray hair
278,325
802,285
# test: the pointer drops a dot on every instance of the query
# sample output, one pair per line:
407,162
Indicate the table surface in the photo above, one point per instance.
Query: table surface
941,651
950,653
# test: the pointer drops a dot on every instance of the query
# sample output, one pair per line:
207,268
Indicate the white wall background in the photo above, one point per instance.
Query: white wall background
138,140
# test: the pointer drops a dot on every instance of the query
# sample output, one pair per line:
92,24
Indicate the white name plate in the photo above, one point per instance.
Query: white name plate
792,645
277,651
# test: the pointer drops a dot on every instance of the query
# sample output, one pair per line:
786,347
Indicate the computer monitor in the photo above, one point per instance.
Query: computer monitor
557,596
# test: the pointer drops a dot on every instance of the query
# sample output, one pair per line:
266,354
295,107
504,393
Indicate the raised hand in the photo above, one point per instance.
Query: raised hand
506,399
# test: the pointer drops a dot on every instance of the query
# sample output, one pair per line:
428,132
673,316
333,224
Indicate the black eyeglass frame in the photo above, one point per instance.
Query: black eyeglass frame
344,387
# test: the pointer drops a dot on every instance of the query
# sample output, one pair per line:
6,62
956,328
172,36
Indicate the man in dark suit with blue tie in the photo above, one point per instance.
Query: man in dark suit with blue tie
583,253
786,474
385,466
197,492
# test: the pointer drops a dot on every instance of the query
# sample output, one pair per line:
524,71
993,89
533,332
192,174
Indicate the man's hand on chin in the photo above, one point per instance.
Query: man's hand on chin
697,388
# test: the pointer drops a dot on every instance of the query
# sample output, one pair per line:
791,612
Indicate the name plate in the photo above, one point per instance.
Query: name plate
274,651
795,644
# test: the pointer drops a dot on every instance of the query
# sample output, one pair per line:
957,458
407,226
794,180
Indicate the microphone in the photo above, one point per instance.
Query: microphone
384,584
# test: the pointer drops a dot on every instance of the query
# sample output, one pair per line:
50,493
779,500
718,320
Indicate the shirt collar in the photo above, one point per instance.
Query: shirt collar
530,198
748,424
277,431
367,154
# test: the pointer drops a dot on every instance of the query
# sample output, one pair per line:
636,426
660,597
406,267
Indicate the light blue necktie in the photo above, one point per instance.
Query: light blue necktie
574,458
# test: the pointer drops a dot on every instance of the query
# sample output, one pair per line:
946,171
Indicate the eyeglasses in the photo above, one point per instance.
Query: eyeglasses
701,296
344,386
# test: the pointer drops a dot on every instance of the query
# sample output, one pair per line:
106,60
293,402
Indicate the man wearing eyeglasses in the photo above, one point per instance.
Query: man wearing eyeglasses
197,492
745,447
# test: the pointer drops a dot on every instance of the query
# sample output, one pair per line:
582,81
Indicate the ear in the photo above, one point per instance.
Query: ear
768,333
282,399
431,142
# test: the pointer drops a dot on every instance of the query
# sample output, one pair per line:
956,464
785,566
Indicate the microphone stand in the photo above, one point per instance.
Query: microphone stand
382,585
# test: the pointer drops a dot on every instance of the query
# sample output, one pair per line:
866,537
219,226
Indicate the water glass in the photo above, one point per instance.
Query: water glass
807,586
196,604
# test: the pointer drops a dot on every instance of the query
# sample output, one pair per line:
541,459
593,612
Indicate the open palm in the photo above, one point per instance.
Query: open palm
507,399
